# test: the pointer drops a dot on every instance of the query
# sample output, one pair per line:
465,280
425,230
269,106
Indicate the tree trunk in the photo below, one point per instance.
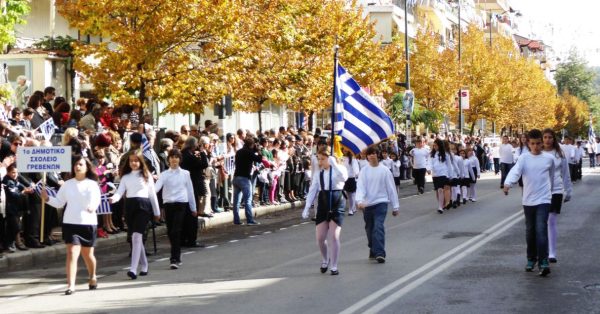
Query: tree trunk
260,117
472,129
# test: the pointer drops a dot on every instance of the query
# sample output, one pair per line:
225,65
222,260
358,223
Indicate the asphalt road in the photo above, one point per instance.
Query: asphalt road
468,260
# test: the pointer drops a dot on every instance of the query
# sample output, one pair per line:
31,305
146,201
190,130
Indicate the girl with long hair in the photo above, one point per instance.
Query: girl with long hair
562,185
440,171
81,195
352,169
141,204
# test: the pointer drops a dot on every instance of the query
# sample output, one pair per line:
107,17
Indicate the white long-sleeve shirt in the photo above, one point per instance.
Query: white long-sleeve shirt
375,185
351,167
338,179
474,163
562,177
134,185
388,163
420,157
439,168
569,152
506,154
454,170
460,164
176,186
79,196
468,170
396,168
537,172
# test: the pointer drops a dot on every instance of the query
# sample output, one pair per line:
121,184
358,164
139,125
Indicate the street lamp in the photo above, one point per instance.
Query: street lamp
406,83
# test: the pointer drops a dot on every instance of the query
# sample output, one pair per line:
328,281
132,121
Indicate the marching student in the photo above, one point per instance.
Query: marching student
569,152
537,171
374,192
396,170
561,185
81,195
386,160
178,197
467,175
440,171
578,160
330,207
506,159
474,164
420,157
352,169
141,203
458,182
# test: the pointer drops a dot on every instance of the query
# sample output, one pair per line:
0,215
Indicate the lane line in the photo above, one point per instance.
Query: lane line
415,284
440,260
212,246
233,241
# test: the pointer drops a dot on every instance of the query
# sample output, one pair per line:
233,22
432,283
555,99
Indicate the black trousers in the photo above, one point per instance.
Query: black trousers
13,226
31,223
174,215
504,169
419,175
496,165
189,232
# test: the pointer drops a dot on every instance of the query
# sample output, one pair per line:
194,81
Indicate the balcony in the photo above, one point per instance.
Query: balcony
494,5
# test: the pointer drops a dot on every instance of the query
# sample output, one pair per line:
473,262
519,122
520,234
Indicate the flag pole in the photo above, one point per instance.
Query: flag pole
335,66
43,207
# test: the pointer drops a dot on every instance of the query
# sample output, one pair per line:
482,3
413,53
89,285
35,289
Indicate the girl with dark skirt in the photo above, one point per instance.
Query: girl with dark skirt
81,194
141,204
328,183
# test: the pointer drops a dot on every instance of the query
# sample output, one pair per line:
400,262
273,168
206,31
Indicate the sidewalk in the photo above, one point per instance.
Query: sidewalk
57,252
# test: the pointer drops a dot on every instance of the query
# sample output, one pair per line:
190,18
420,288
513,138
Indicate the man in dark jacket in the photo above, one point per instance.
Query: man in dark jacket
195,162
244,161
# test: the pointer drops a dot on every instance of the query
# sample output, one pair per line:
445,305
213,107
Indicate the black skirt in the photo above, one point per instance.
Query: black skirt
84,235
556,204
465,182
336,212
350,185
138,213
440,182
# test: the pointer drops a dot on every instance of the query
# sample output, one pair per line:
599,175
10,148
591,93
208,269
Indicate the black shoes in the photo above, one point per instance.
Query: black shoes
324,267
334,272
421,190
93,283
131,275
380,259
69,292
143,273
552,260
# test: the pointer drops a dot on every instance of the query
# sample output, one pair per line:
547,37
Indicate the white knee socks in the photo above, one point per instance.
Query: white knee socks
552,234
138,253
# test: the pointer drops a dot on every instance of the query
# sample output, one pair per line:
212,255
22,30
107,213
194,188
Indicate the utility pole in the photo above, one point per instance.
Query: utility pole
460,126
408,122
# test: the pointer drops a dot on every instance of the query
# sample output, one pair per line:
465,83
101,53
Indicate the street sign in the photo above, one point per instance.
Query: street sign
44,159
464,98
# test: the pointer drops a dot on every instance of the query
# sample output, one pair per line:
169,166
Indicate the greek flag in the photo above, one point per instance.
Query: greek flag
47,129
358,118
38,189
147,152
104,207
229,164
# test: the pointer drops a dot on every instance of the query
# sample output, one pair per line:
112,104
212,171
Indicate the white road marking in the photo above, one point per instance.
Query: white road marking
233,241
212,246
188,252
267,232
252,236
161,259
283,228
471,245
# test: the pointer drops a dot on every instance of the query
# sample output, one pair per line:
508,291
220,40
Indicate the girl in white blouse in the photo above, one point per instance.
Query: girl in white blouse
141,204
81,194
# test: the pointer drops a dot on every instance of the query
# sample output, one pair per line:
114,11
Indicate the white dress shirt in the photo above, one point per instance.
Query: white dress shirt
79,196
375,185
351,167
176,186
420,157
506,154
338,179
562,177
134,185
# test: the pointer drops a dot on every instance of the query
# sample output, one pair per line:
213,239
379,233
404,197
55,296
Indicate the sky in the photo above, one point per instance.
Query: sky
563,25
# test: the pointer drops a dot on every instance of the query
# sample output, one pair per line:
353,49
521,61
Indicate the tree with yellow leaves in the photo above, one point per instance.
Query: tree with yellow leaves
155,48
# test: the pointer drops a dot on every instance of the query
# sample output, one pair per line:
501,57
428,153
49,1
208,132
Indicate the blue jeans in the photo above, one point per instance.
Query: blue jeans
242,185
374,218
536,230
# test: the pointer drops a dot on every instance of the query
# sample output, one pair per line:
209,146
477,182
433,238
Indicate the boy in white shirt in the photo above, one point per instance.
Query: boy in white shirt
375,189
537,171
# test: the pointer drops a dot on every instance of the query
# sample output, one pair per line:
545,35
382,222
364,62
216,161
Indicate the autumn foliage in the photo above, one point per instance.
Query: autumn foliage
189,53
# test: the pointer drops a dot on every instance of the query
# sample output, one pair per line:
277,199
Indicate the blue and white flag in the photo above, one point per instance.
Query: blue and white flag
359,120
147,151
47,129
38,189
104,207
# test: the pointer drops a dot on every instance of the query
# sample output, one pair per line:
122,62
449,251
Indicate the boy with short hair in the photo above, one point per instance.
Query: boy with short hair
375,190
537,171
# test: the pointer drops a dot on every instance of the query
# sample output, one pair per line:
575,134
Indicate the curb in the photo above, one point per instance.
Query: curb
39,257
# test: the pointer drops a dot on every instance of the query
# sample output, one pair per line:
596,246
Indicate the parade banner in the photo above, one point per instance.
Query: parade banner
44,159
